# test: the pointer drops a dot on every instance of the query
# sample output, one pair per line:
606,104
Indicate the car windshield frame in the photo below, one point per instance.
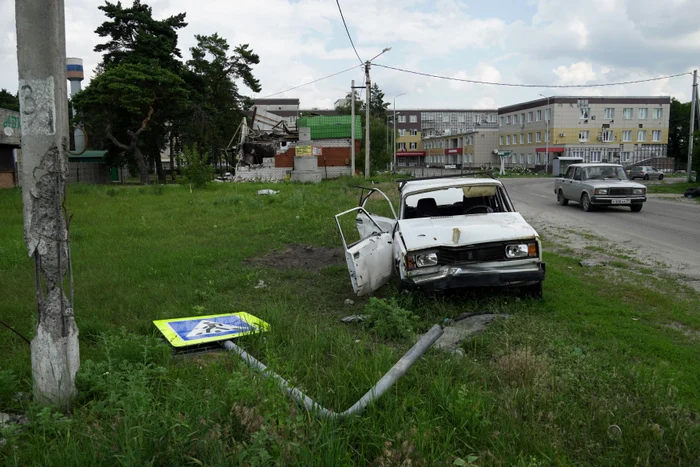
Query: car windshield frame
501,201
605,172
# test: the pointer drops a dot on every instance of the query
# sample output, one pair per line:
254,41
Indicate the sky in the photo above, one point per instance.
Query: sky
549,42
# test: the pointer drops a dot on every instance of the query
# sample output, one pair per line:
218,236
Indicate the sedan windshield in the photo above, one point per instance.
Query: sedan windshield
605,172
456,201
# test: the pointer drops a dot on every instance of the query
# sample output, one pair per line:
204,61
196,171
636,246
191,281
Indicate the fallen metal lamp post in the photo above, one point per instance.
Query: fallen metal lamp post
388,380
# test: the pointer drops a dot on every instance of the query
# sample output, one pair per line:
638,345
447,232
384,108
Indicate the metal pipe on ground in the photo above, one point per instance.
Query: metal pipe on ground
386,381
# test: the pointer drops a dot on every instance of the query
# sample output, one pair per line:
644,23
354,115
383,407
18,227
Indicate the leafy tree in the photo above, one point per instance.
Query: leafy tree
197,172
346,109
9,101
136,37
678,129
377,106
125,99
217,106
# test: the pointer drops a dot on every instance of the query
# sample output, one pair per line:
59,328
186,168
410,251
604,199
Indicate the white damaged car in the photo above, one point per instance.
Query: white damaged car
451,232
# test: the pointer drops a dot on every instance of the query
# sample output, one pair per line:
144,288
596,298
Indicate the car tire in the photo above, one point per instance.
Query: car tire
586,203
561,199
646,177
661,176
636,207
532,291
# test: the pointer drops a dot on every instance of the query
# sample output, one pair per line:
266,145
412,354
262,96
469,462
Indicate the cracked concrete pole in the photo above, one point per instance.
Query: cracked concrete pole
41,54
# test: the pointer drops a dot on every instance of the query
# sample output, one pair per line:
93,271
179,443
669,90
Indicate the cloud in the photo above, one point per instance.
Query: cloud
580,72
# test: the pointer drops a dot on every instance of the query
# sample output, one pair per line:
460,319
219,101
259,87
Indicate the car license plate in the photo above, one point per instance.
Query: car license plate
621,201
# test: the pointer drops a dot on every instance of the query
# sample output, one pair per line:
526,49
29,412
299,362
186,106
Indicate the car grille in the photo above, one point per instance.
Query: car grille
468,254
621,191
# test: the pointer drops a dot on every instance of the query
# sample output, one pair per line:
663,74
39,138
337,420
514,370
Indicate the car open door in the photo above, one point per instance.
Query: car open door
369,259
366,227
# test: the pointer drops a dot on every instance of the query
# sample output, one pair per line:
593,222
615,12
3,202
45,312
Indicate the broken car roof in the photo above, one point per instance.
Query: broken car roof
437,183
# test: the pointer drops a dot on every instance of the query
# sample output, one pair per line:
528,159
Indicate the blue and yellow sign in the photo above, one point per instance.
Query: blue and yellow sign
182,332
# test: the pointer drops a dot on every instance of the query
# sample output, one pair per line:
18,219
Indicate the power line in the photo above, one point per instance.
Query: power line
312,82
514,85
346,30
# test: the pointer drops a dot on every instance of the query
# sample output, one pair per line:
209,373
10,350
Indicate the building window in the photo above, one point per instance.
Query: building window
657,114
413,118
413,132
492,118
625,156
643,114
508,120
413,145
460,118
402,132
538,136
538,158
477,118
507,139
529,117
402,119
609,113
538,116
584,112
500,121
546,136
583,136
522,138
522,158
627,113
402,146
546,115
656,136
529,137
595,156
522,119
627,136
642,135
500,140
529,159
445,118
515,139
608,136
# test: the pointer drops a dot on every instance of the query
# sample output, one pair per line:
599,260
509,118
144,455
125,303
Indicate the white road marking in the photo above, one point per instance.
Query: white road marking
541,196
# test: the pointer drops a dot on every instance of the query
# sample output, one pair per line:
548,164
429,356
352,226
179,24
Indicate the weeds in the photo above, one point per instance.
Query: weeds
388,320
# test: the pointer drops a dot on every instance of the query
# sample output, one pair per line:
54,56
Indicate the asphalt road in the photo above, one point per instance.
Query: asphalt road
667,231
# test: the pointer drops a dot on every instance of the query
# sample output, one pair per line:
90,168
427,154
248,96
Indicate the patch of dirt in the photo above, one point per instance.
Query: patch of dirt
309,258
687,332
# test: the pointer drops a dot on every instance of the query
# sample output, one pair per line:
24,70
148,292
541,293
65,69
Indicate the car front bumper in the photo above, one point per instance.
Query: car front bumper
482,275
608,200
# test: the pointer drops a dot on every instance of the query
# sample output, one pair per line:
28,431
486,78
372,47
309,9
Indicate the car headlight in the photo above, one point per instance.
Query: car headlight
422,260
639,191
601,191
521,250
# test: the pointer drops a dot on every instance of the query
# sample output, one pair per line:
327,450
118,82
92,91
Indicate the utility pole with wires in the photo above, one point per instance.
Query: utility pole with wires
367,85
694,98
352,128
43,100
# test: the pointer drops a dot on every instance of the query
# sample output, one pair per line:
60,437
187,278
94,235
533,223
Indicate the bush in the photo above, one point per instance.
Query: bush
388,320
197,171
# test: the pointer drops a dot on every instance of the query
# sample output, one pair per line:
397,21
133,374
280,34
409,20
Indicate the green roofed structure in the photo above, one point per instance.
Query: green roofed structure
331,127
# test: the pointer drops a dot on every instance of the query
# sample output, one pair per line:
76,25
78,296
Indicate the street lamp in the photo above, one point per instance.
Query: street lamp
394,160
547,115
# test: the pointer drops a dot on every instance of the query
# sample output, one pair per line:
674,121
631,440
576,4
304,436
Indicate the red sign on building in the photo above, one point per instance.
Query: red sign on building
410,154
454,151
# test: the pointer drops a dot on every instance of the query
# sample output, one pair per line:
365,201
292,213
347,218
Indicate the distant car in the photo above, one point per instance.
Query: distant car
645,172
594,185
451,232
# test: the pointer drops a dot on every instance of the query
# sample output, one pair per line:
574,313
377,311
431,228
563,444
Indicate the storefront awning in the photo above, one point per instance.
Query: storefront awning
410,154
551,149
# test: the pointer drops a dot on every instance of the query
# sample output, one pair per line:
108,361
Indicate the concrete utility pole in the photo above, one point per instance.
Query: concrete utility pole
546,135
394,159
367,85
693,97
41,53
352,127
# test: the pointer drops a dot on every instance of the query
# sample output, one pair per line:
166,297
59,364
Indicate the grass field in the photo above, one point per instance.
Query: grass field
672,187
597,373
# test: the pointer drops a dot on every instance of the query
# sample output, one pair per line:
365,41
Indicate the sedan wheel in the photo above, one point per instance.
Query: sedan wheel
560,198
646,177
636,207
661,176
585,203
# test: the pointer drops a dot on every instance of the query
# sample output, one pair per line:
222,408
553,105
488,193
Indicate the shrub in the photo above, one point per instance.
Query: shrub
197,172
388,320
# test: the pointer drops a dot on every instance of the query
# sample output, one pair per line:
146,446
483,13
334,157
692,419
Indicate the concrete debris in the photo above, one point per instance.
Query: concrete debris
349,302
4,419
451,340
591,263
261,284
353,318
268,192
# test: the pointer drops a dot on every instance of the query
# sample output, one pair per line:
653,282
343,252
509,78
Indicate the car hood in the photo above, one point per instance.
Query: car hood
613,183
430,232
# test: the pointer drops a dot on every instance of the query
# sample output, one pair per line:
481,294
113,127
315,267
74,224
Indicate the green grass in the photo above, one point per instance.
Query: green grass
671,187
539,388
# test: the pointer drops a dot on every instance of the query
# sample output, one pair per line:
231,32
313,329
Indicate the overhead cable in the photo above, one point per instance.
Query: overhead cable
347,30
314,81
517,85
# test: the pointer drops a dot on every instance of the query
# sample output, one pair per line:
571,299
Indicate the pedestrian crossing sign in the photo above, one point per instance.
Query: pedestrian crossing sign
182,332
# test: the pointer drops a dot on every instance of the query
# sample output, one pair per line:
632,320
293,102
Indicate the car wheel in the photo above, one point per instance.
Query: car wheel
560,198
532,291
661,176
636,207
646,177
585,202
